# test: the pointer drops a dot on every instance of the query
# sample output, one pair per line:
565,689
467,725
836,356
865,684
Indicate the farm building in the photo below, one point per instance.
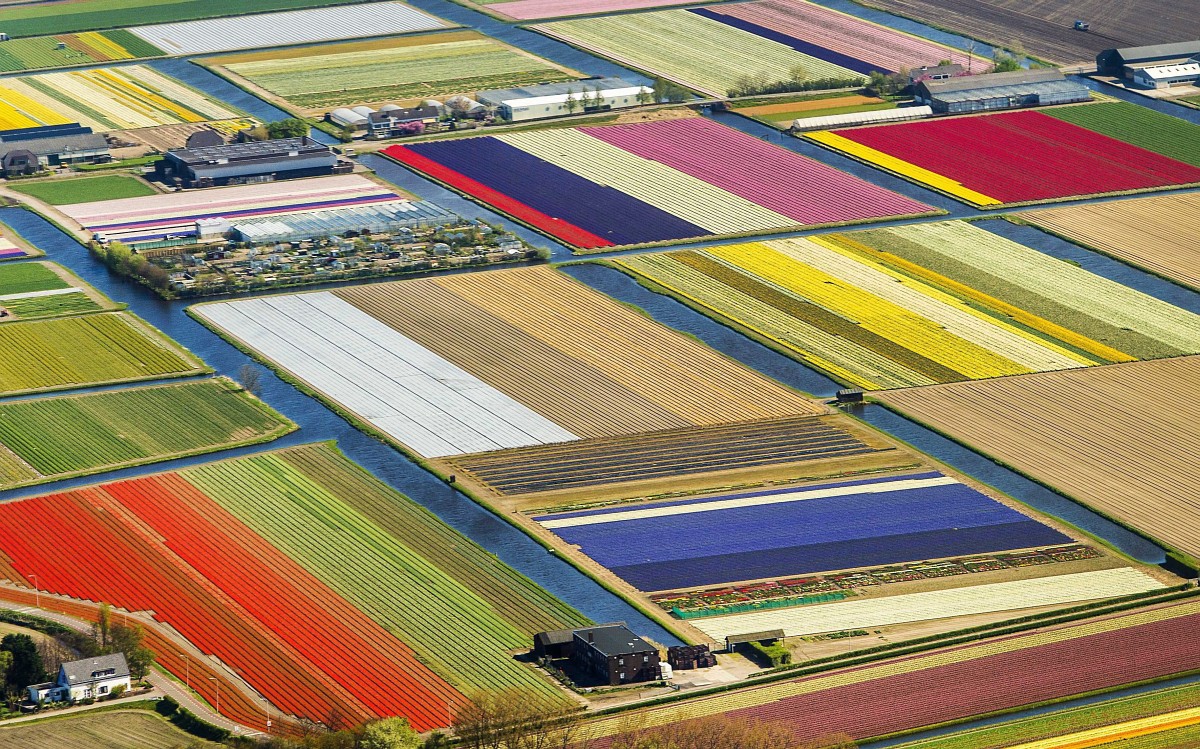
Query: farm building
391,120
87,679
1165,76
246,163
615,655
377,218
555,99
1122,63
34,148
1020,88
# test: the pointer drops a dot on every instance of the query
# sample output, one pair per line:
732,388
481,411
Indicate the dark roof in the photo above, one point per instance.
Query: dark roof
951,69
90,670
413,113
204,139
554,637
252,150
992,80
58,144
1159,51
768,634
43,131
613,639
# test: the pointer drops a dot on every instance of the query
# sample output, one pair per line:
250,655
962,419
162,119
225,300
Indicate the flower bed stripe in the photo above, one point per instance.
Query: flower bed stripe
851,64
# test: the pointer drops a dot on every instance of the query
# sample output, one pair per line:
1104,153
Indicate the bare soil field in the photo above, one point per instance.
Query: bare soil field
1158,233
1121,439
1045,27
573,355
122,729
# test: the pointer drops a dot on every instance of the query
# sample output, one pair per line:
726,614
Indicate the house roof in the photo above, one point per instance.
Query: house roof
1158,51
992,80
91,670
58,144
554,637
613,639
951,69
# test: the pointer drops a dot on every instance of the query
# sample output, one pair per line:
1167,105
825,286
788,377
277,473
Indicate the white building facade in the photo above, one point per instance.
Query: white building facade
88,679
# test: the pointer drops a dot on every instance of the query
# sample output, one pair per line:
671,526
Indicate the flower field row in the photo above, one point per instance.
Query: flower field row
388,70
1026,156
29,277
528,10
81,49
905,694
10,251
727,539
76,435
923,304
70,302
70,352
835,37
105,99
206,550
1139,126
651,182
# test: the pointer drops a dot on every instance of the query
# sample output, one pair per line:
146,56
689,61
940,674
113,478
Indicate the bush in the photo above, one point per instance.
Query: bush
774,655
186,721
752,87
167,706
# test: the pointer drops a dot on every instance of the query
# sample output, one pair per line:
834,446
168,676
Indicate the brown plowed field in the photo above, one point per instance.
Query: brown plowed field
574,355
1045,27
1158,233
1122,438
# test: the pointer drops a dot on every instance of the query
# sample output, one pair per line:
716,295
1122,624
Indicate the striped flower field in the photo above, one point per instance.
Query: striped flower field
80,49
304,574
922,304
651,183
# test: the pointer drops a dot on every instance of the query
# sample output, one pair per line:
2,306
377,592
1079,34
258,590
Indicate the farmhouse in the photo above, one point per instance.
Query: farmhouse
89,678
1019,88
615,655
246,163
558,99
32,149
1124,62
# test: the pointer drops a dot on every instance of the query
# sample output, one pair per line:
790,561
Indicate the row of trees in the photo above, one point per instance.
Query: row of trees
123,260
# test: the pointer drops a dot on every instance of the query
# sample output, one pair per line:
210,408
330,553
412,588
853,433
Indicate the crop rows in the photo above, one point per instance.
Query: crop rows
70,435
934,604
26,277
1018,157
1100,436
957,683
81,49
87,350
103,730
923,304
664,43
1156,233
1139,126
527,10
343,75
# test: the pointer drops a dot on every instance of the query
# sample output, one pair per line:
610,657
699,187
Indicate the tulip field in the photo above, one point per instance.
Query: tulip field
950,685
81,49
76,435
32,290
528,10
10,251
1024,157
313,581
651,183
922,304
105,99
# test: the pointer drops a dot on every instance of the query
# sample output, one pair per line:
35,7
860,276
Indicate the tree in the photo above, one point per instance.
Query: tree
250,377
128,642
879,83
645,95
26,665
390,733
660,90
798,73
6,660
572,102
1004,63
103,624
292,127
518,719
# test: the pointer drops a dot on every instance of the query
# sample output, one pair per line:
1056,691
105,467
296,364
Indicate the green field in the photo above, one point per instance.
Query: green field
459,608
1138,126
40,52
115,729
23,278
1079,719
56,305
84,15
96,349
84,189
352,73
81,434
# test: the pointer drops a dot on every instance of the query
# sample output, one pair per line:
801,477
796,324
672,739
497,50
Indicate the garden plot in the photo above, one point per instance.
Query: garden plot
291,27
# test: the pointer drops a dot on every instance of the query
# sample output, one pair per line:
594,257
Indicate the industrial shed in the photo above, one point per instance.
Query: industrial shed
1165,76
246,163
33,148
550,99
1123,62
1020,88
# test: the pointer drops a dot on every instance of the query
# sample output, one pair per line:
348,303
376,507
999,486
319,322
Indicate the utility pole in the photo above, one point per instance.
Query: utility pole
187,673
218,683
37,591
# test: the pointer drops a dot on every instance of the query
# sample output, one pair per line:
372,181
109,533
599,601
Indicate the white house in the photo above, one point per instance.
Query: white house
90,678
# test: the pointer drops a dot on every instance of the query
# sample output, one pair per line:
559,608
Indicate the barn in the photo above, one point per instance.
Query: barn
1019,88
1122,63
246,163
31,149
558,99
1165,76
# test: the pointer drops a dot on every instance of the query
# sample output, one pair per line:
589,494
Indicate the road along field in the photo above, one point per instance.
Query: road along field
318,79
303,574
1155,233
119,729
1101,436
76,435
86,48
516,358
957,683
651,183
70,352
292,27
921,304
105,99
155,216
33,290
1046,28
1026,157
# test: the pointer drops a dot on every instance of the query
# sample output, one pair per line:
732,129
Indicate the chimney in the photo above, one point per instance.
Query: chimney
591,637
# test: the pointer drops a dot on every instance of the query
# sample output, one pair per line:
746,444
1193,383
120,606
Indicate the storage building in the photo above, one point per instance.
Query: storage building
1165,76
247,163
1122,63
392,121
51,145
551,99
1019,88
615,655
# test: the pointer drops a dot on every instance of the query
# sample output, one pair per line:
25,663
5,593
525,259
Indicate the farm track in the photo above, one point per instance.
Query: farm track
1115,438
663,454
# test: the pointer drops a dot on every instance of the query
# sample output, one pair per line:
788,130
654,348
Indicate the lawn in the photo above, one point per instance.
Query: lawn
120,729
23,278
84,189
